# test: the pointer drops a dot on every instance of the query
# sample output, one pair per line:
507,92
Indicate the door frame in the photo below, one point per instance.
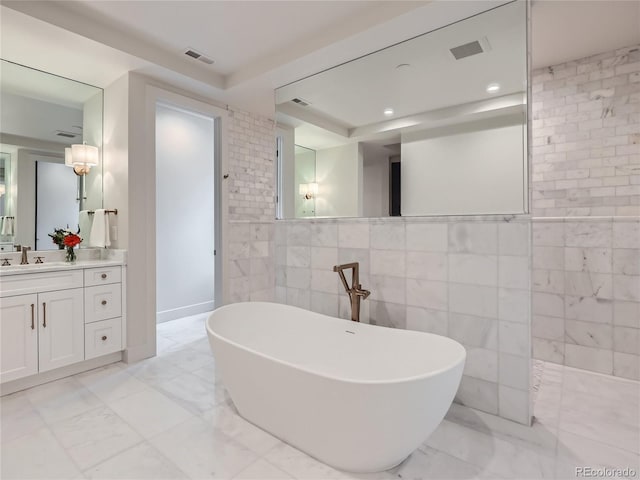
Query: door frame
216,172
141,263
189,105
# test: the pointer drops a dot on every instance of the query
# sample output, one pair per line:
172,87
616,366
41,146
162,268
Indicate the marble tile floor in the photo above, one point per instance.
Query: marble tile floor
169,417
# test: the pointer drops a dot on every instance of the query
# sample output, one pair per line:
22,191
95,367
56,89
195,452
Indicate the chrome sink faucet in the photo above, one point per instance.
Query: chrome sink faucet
23,259
355,292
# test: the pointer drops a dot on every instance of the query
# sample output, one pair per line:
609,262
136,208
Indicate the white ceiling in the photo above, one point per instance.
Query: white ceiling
258,46
565,30
234,34
27,40
343,31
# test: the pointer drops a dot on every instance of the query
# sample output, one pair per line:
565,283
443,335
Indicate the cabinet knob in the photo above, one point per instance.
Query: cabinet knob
104,275
104,337
104,302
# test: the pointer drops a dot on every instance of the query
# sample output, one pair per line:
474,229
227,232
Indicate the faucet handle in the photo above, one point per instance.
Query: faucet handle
362,293
39,259
5,262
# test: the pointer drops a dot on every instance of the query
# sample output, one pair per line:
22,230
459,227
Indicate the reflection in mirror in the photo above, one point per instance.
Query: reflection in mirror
435,125
305,181
7,221
5,162
43,115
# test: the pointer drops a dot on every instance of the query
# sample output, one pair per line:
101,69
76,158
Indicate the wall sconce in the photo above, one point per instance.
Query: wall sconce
81,158
3,189
308,190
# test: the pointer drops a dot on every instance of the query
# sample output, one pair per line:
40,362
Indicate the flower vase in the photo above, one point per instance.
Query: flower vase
71,255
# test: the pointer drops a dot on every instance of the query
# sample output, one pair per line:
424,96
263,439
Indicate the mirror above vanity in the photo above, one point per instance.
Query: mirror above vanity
435,125
42,115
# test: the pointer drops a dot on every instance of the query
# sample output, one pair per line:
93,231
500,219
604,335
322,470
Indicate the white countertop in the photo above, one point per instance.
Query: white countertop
56,265
54,260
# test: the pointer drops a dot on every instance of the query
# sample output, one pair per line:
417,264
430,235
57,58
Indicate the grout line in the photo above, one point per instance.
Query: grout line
143,440
66,451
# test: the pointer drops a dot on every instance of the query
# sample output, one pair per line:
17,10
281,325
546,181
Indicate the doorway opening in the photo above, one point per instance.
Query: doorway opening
185,217
395,186
57,199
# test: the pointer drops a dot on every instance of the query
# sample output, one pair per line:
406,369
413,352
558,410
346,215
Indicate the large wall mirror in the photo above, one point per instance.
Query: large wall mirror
435,125
41,116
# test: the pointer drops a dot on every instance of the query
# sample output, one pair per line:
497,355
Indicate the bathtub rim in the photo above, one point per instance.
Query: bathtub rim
431,373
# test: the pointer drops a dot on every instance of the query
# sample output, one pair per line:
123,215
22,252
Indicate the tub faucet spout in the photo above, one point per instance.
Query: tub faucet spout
355,291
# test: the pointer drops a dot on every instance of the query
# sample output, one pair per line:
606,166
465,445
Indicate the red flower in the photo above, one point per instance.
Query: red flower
71,240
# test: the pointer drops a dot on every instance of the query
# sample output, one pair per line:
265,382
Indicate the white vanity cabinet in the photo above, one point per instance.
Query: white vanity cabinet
40,332
54,319
18,337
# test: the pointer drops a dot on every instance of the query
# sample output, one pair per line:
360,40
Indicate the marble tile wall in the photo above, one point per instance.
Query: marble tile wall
586,207
586,136
250,226
251,167
464,277
586,293
251,262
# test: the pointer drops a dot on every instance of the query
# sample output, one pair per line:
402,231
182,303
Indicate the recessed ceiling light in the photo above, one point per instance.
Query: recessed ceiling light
493,88
388,112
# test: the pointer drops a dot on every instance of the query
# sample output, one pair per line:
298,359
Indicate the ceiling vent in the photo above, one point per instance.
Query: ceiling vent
466,50
61,133
190,52
301,102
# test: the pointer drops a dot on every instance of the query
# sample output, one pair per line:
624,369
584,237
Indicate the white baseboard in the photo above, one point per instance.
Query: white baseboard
168,315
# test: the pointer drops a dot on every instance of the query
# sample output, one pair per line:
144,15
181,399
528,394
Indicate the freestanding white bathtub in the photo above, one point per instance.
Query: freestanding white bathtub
357,397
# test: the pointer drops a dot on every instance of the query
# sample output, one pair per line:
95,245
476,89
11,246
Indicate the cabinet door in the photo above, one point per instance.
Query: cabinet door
61,328
18,337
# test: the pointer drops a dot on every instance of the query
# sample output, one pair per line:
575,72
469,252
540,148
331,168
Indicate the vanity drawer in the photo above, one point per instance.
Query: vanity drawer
101,276
25,283
101,338
102,302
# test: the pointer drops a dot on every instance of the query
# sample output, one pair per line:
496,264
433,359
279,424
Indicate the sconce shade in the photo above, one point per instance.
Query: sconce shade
3,189
84,154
